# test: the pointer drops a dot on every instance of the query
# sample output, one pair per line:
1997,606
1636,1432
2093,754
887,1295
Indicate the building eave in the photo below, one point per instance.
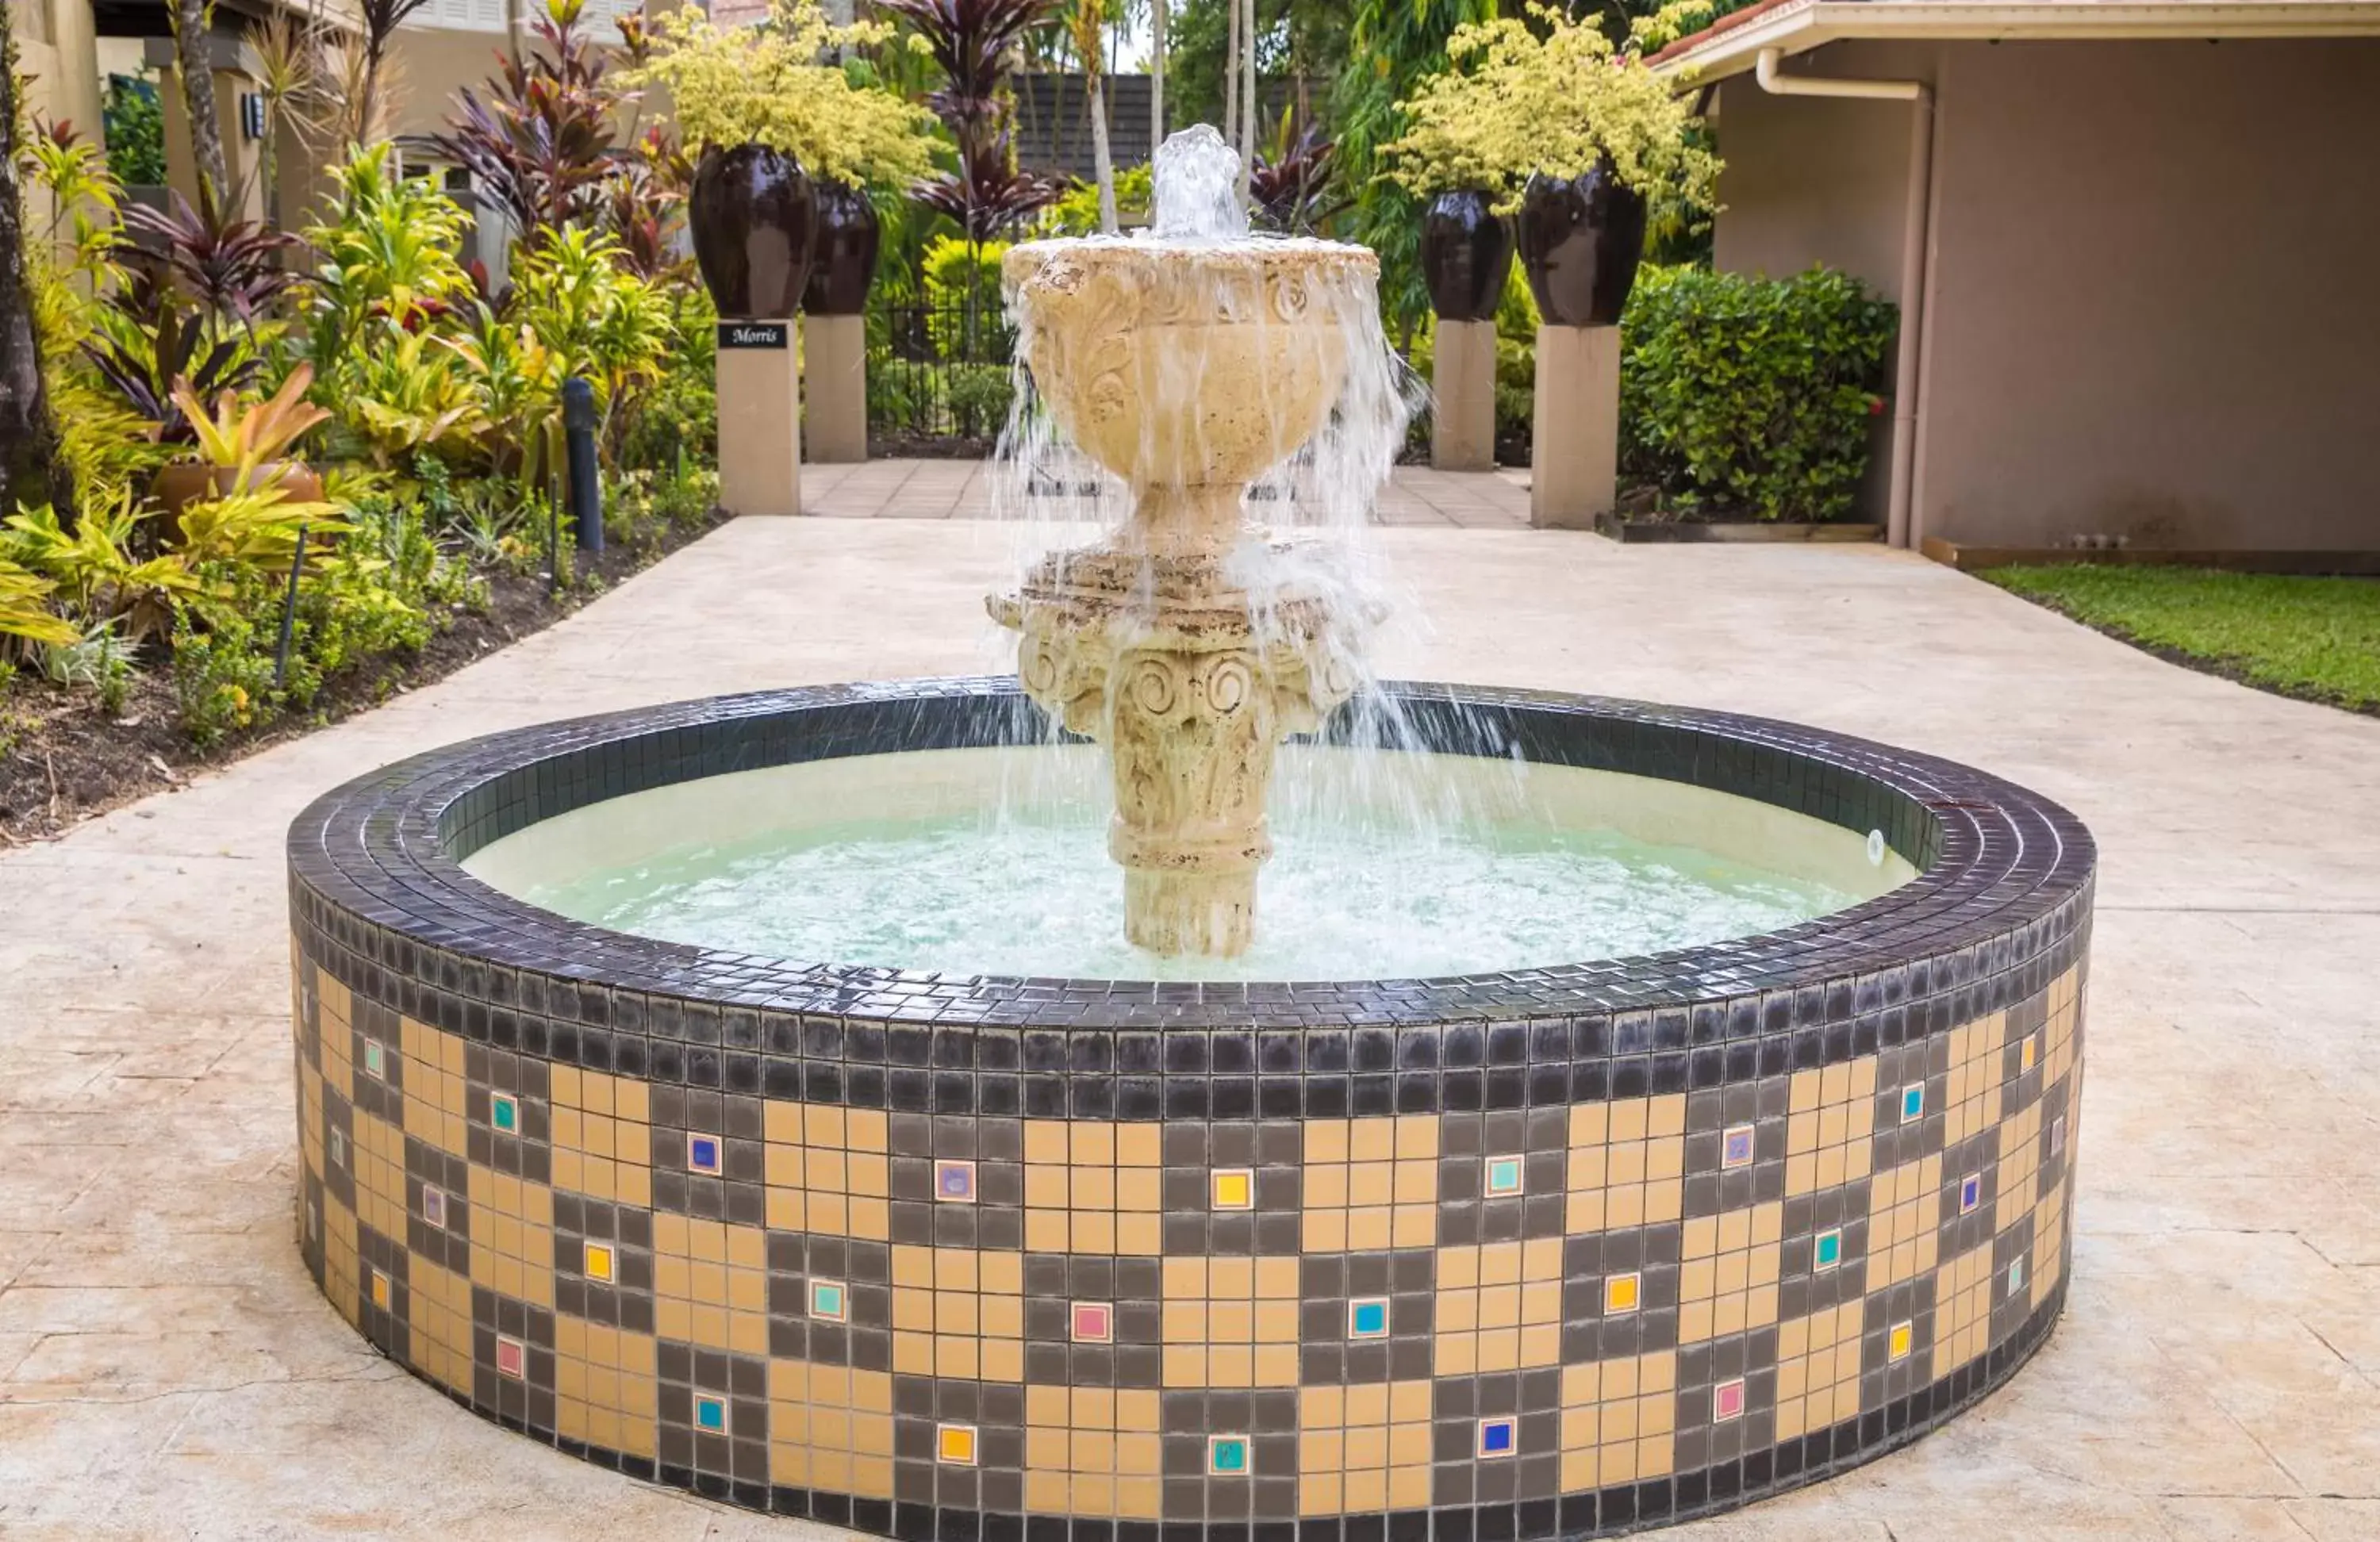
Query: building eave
1733,44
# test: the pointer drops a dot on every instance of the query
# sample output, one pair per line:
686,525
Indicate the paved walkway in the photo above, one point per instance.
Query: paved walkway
167,1369
955,490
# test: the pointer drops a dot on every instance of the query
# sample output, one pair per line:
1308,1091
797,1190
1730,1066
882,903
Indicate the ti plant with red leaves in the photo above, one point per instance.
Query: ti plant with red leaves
987,195
145,342
1294,181
229,268
971,42
645,201
539,141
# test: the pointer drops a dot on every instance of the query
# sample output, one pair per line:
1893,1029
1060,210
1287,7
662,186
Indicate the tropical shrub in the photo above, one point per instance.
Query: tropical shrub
389,245
967,318
1078,212
980,397
1752,393
136,131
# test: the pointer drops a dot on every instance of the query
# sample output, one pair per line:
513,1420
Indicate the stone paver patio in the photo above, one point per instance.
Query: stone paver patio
166,1368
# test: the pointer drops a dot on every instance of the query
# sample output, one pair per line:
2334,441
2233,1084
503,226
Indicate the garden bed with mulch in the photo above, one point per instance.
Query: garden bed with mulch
63,759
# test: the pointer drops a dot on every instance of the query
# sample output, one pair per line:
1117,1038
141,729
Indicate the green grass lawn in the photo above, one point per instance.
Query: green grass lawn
2318,638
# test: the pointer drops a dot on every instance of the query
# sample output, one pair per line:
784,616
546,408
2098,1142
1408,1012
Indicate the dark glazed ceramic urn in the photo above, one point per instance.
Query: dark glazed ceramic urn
1466,249
843,260
1581,238
754,217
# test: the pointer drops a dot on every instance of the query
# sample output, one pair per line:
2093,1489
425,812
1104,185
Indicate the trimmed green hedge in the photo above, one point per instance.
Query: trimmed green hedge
1752,394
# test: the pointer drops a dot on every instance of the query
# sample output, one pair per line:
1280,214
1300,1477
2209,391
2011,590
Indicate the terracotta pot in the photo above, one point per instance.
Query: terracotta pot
1581,238
183,482
753,214
1466,250
843,260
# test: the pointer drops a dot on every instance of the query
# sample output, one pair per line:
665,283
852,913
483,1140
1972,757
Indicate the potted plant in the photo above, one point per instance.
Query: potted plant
842,260
245,448
1581,142
785,145
1466,250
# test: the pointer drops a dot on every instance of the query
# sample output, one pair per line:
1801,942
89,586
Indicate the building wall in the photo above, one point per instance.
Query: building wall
2155,314
1808,181
2150,312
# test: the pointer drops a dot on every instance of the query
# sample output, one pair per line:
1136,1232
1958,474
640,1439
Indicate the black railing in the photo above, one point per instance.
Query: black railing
939,373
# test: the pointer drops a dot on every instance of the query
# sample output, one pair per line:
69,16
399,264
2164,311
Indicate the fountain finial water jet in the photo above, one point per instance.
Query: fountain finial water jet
1188,363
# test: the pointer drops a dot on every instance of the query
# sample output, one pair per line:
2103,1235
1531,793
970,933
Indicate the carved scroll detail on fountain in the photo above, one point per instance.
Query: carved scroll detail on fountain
1186,369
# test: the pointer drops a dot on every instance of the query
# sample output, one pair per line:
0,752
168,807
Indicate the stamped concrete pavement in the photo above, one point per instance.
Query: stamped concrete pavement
166,1368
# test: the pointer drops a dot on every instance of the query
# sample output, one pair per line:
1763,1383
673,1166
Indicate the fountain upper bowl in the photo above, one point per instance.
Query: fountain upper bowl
1188,364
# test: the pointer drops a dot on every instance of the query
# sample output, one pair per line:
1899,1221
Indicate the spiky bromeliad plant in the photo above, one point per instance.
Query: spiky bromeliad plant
1512,102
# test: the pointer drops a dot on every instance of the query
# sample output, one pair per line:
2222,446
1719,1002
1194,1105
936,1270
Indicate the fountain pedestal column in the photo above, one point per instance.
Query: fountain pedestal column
1143,643
1181,640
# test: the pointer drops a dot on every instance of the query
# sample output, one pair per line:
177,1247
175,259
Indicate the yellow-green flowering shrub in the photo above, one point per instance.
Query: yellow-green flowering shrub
1511,103
766,85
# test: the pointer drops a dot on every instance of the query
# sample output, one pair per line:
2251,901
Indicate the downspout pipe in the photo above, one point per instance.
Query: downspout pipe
1900,523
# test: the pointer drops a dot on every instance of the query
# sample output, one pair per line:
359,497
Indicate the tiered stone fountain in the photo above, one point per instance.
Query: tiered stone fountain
1187,365
927,1231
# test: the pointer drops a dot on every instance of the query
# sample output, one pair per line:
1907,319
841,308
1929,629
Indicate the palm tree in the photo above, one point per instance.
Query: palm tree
194,62
1086,28
28,439
1156,9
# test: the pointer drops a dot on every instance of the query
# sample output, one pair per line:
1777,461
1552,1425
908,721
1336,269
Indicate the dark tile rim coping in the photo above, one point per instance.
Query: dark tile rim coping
2005,875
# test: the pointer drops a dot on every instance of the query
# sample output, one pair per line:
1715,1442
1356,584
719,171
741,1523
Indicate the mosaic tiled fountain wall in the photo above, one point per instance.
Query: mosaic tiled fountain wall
1579,1249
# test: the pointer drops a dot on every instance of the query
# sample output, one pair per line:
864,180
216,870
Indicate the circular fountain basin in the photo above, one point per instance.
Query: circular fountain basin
1548,1246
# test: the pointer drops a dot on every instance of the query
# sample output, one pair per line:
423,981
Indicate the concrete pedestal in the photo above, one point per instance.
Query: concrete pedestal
760,420
835,367
1575,463
1462,378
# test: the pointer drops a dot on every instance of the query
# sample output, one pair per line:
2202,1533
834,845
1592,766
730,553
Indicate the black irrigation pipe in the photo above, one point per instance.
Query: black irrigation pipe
289,614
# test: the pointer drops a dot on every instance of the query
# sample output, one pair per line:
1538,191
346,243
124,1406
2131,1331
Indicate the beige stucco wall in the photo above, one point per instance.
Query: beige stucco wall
2152,310
2155,307
1808,181
56,51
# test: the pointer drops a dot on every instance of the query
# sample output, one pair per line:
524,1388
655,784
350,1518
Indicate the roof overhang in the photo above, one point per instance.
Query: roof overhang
1733,44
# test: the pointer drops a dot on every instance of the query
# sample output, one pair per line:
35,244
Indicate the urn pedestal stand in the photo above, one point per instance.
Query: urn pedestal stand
1462,385
834,358
1574,460
760,419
